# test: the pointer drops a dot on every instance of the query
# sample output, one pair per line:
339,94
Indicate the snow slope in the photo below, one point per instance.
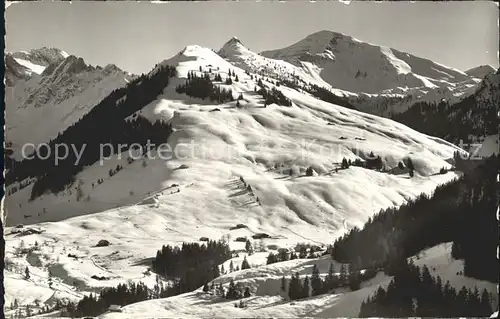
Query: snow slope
60,93
152,202
349,64
251,141
235,52
382,81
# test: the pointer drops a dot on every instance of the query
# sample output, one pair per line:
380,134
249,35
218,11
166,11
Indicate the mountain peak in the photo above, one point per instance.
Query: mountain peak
353,65
480,71
234,40
232,44
316,43
42,56
232,47
70,65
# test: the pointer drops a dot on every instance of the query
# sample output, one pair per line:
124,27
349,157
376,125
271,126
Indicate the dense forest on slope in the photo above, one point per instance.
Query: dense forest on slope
105,123
192,264
327,96
415,293
462,211
474,115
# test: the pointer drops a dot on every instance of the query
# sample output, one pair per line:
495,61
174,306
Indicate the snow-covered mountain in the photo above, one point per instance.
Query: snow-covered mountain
36,60
481,71
350,64
51,85
347,133
470,119
383,80
237,54
269,158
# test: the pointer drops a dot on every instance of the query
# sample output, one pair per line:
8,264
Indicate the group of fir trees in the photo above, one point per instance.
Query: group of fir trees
462,211
202,87
274,96
327,96
95,305
284,255
371,162
189,267
174,261
88,134
234,291
415,293
315,285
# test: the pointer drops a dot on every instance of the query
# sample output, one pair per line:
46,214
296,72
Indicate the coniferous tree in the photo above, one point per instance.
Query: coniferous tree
303,252
343,274
316,283
271,259
248,247
231,291
283,284
294,287
282,255
353,278
220,290
245,264
306,287
485,302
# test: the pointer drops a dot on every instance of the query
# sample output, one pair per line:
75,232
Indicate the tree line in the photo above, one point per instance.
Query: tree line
473,115
95,305
317,285
415,293
327,96
461,211
272,95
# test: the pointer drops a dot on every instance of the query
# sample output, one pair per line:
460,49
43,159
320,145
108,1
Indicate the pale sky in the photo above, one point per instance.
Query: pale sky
137,35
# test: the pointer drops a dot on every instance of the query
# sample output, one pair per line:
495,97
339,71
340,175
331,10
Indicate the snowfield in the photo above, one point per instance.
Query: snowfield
232,166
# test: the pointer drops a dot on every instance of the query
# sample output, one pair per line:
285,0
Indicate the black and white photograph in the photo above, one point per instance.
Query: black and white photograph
242,159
